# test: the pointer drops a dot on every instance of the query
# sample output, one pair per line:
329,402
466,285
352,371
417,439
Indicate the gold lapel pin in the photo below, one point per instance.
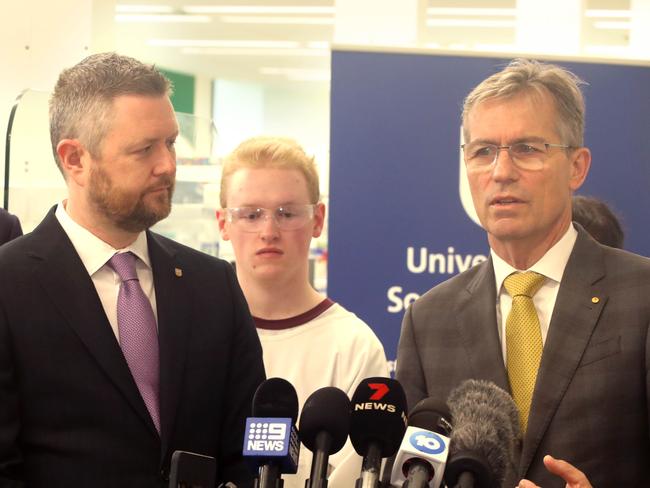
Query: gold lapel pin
595,299
178,272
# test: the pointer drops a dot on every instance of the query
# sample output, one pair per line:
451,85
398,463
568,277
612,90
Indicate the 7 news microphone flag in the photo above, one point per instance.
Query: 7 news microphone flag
377,424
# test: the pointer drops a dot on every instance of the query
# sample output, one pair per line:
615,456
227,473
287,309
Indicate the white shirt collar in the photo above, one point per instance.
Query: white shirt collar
551,265
94,252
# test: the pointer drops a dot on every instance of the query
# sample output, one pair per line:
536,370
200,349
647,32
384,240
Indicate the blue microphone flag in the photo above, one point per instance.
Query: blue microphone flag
271,439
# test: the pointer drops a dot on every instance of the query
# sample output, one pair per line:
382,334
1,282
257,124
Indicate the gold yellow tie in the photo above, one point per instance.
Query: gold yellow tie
523,340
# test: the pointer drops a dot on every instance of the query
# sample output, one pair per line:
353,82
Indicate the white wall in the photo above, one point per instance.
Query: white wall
37,40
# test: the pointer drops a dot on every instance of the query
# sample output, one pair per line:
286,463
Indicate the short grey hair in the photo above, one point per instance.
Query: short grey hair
80,107
529,76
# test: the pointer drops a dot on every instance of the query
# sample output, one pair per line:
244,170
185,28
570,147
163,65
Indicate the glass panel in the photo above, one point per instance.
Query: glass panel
196,199
35,183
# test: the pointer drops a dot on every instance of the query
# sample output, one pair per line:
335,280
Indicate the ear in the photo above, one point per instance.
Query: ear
223,224
580,164
319,219
74,159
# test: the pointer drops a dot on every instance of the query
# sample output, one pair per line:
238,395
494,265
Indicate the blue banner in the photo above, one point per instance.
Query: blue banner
399,212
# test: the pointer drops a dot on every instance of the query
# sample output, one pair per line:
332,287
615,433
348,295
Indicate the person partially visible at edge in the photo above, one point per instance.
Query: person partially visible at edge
271,210
598,219
9,226
118,346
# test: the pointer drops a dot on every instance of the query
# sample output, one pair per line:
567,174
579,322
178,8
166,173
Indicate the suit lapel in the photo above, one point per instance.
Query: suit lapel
574,318
173,302
478,329
68,285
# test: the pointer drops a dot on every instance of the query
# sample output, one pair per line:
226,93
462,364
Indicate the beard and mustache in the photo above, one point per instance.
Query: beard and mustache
129,211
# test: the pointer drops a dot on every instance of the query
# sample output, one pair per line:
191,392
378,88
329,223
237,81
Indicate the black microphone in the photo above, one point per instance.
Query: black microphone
420,461
271,444
377,425
486,428
324,428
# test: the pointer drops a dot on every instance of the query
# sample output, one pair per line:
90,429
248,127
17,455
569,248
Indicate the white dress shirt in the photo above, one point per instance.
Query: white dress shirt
552,266
95,253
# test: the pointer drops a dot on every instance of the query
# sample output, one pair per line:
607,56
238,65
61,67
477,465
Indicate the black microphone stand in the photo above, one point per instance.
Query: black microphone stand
466,480
318,474
269,477
419,475
370,468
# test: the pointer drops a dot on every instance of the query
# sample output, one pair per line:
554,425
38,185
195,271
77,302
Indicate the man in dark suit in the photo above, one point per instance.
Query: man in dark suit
118,346
9,226
585,393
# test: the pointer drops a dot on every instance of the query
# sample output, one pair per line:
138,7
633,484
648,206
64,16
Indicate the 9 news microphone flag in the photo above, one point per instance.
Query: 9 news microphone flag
271,443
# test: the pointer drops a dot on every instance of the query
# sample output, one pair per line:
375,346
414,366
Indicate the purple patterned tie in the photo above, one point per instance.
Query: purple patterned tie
138,332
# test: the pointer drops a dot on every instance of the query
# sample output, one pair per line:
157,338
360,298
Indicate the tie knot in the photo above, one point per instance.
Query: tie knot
124,265
526,284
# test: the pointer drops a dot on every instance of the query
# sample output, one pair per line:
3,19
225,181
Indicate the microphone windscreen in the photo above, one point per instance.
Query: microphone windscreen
486,422
276,397
326,410
431,415
378,415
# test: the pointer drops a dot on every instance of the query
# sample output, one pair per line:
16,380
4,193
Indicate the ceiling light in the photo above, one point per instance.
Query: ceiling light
215,51
258,44
152,18
511,48
470,23
297,74
318,45
609,50
612,24
482,12
144,9
247,19
257,9
612,14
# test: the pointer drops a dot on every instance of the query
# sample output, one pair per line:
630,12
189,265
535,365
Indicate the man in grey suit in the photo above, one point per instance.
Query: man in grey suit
588,398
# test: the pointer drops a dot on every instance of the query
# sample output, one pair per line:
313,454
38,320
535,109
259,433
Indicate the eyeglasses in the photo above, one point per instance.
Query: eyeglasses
530,156
286,217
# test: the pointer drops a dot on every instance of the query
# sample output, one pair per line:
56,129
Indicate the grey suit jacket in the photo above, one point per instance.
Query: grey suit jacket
590,405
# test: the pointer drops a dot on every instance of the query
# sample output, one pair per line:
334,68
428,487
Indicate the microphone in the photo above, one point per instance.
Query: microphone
324,428
420,461
377,425
486,428
271,444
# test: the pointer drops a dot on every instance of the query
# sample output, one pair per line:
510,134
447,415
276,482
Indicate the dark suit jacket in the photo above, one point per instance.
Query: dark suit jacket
70,412
9,226
590,404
